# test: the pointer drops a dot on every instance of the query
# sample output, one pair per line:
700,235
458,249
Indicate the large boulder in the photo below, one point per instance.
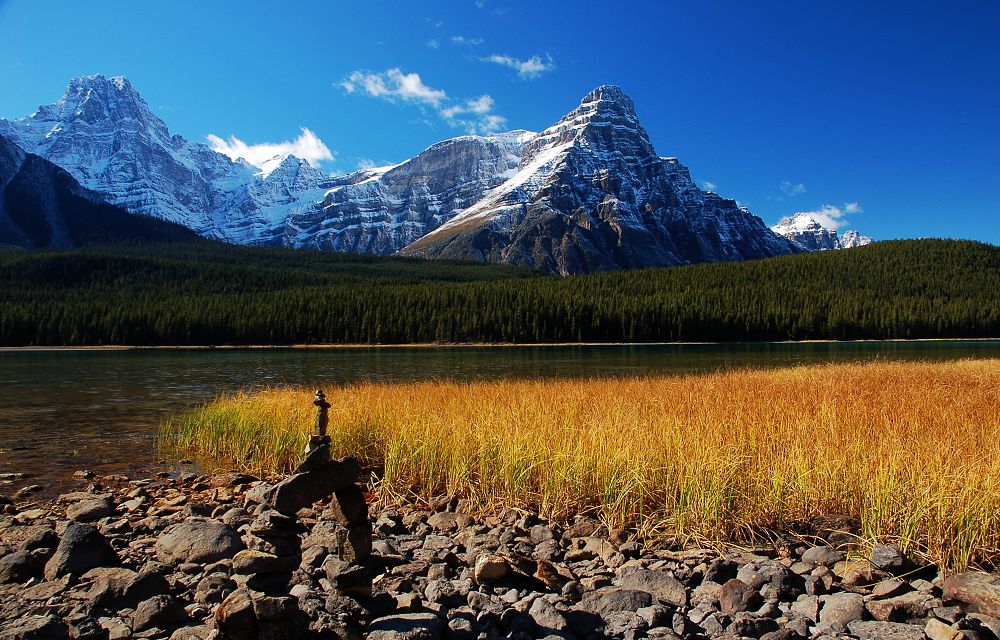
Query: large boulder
200,541
81,549
90,509
34,628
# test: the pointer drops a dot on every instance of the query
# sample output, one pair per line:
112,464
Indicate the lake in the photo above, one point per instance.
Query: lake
63,411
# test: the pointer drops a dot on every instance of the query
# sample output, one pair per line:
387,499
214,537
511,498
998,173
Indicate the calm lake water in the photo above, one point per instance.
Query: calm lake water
62,411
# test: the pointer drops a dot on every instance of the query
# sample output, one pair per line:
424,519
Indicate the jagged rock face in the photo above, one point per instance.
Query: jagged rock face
591,194
387,209
106,136
43,206
808,233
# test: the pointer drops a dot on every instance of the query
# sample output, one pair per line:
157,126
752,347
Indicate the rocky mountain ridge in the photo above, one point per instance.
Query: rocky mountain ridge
587,194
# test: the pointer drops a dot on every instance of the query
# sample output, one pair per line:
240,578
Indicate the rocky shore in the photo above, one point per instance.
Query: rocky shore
234,557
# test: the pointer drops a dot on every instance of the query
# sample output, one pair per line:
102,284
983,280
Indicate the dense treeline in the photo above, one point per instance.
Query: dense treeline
206,293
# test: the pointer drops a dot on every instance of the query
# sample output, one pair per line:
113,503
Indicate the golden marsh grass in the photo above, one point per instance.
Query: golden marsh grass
912,449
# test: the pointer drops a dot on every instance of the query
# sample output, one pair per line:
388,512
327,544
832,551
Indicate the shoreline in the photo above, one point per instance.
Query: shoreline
476,345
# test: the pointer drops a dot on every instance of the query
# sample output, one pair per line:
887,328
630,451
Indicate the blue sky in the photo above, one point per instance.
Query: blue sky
886,118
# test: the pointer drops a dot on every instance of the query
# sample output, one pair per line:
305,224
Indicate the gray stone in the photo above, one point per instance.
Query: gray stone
746,625
115,588
721,570
611,599
160,611
450,593
81,549
841,608
235,618
823,555
249,561
902,608
661,585
874,630
888,558
90,510
547,617
20,566
200,541
407,626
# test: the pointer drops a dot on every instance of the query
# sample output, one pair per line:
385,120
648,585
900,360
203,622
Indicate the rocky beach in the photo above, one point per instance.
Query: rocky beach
304,556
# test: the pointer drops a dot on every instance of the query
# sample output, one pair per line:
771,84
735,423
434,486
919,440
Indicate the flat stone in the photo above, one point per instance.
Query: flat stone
611,599
249,561
161,611
199,541
90,510
937,630
874,630
303,489
822,555
34,628
407,626
841,608
902,608
661,585
977,592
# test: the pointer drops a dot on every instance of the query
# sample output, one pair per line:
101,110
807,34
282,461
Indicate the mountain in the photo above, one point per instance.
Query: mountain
108,138
384,210
590,194
43,206
807,232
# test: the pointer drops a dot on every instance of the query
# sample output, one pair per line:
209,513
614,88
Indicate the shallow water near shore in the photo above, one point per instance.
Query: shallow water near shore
62,411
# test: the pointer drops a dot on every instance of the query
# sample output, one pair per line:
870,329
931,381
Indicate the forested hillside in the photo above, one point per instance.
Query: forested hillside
206,293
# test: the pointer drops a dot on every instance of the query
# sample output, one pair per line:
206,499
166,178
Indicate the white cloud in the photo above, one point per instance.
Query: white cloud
463,41
833,217
474,115
708,185
790,189
393,84
530,68
307,146
433,43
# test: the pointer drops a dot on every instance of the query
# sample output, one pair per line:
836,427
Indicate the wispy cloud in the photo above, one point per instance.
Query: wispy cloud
833,217
468,42
474,115
307,146
533,67
790,189
393,84
708,185
433,43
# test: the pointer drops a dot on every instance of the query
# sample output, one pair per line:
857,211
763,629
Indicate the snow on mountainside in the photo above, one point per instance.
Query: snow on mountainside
396,205
106,136
807,232
591,194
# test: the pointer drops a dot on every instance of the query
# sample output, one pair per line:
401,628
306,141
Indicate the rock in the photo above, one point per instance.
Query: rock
81,549
746,625
235,618
889,588
347,578
841,608
859,574
20,566
213,589
976,592
248,561
772,579
822,555
490,568
547,617
450,593
349,506
303,489
200,541
661,585
407,626
888,558
721,570
34,628
90,510
836,529
869,630
902,608
197,632
443,521
115,627
115,588
736,596
611,599
354,544
937,630
160,611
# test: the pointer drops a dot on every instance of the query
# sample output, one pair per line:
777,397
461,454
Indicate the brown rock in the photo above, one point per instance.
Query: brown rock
977,592
736,596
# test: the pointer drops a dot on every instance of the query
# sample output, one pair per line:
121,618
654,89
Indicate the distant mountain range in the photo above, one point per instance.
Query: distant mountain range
587,194
807,232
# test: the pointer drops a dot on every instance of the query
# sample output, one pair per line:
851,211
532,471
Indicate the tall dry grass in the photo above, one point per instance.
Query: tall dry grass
912,449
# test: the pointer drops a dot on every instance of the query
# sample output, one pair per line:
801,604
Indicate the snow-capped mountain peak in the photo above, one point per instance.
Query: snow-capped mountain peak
809,233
